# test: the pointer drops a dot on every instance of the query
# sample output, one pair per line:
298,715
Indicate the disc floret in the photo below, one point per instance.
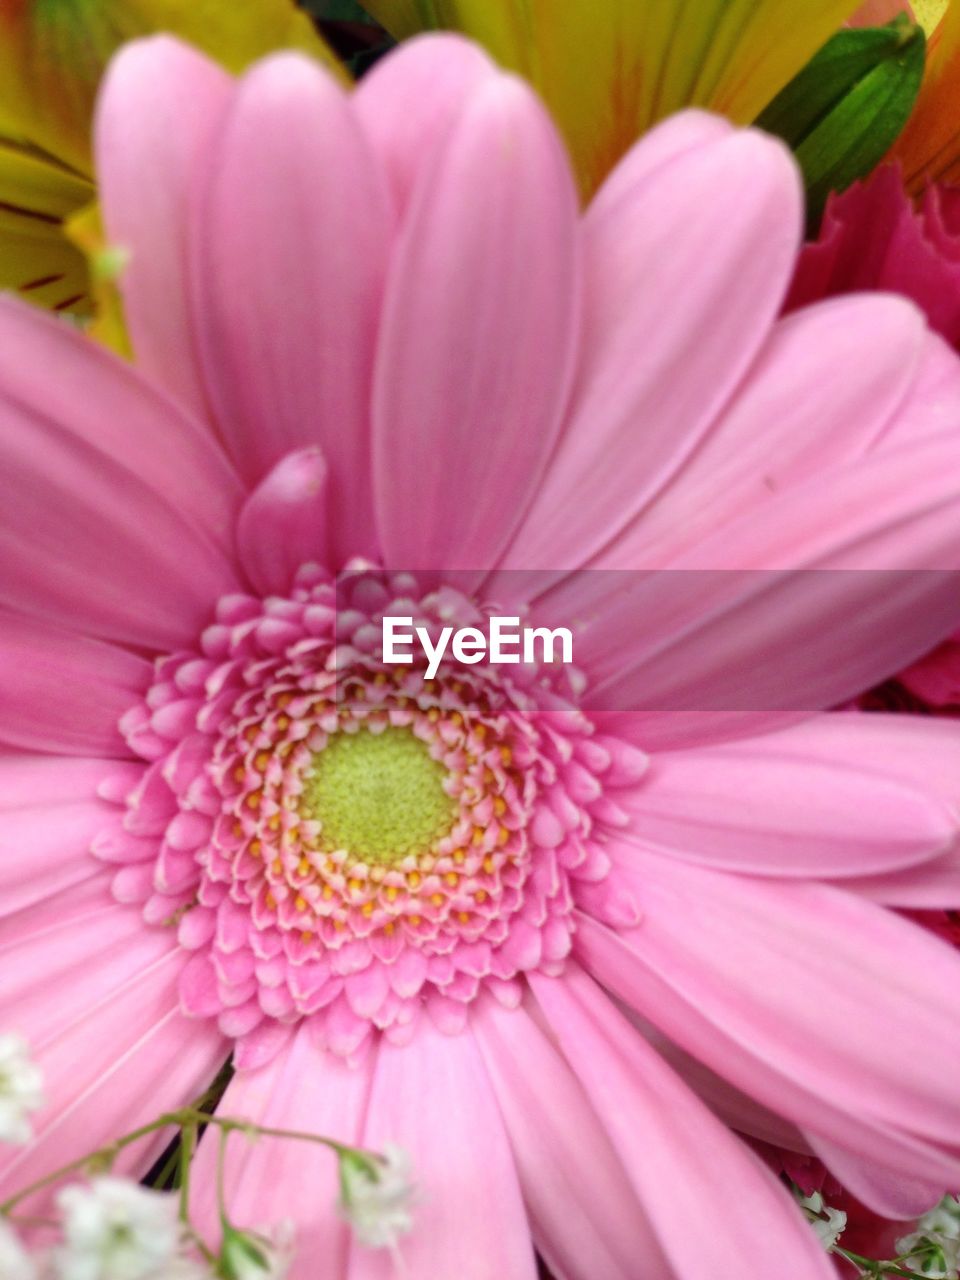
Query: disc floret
352,844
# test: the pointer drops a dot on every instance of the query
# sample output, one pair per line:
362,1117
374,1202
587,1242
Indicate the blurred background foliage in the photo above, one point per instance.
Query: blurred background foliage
841,113
838,94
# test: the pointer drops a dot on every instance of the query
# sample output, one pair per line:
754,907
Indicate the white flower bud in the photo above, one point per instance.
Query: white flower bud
376,1196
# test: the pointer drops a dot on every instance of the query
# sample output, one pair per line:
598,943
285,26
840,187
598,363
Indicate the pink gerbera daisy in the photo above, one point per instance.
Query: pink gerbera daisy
384,366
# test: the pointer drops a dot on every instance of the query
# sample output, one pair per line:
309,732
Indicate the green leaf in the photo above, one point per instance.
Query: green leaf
847,107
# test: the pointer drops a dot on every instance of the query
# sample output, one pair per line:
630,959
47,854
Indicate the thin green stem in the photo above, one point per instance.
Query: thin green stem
108,1153
201,1246
188,1145
188,1117
223,1137
873,1268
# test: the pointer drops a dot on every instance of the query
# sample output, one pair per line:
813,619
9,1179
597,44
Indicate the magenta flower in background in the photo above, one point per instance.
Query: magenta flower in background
935,679
385,366
874,237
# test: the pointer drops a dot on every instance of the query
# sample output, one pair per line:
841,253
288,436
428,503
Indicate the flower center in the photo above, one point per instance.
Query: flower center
378,796
349,842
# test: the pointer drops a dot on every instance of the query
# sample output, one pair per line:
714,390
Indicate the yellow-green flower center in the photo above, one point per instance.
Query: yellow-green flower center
378,796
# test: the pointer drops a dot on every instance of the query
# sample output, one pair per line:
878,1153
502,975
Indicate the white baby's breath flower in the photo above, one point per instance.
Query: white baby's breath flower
256,1255
830,1227
21,1088
934,1248
116,1230
377,1195
829,1224
944,1220
15,1262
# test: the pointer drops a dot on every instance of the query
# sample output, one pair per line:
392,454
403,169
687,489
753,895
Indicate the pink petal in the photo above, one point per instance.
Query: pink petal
262,1045
114,508
162,1066
66,949
934,399
285,522
808,998
921,750
45,851
49,817
933,886
63,693
586,1219
199,994
28,779
157,117
827,591
890,1195
273,1180
702,1190
410,102
291,251
712,233
433,1098
45,915
918,750
798,813
735,1108
113,1047
810,402
477,342
676,136
885,511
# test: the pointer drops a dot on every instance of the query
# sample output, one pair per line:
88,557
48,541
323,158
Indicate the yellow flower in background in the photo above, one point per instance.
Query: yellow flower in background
52,55
610,68
929,12
36,195
929,148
